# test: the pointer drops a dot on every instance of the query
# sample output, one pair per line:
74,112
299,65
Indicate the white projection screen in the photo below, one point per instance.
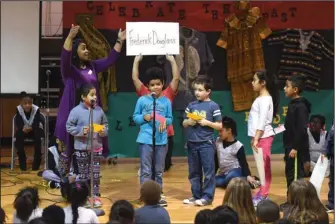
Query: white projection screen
20,35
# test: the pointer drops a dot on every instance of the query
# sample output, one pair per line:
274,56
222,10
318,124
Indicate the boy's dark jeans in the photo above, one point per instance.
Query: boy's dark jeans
36,135
331,185
200,161
290,170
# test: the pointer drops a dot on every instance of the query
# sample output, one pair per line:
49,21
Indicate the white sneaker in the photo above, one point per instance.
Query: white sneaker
189,201
202,202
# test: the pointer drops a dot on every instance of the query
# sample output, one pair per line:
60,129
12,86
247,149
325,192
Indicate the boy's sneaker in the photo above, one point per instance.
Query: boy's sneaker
202,202
329,209
162,203
97,203
189,201
258,198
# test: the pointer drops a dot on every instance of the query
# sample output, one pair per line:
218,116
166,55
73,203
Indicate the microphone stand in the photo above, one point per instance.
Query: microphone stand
98,211
153,137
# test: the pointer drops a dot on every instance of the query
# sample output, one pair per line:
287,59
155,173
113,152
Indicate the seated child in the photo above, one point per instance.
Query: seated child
267,211
28,125
122,212
26,205
151,212
224,214
317,136
231,154
54,214
203,217
2,216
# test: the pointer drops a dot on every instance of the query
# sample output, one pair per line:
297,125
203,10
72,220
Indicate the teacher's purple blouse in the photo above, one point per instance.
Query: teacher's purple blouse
73,78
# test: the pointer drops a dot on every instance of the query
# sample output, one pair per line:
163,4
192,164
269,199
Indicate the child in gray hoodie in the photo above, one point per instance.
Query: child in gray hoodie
78,125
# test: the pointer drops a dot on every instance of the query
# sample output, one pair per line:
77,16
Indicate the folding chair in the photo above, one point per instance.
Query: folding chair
44,144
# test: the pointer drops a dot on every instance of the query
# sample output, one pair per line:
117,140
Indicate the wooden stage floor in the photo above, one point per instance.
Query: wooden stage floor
121,182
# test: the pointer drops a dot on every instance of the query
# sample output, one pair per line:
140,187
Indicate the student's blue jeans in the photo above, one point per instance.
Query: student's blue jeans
224,179
331,185
201,162
148,158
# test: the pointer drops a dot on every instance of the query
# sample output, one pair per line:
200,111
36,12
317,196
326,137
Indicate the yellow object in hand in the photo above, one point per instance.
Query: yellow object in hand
194,116
98,127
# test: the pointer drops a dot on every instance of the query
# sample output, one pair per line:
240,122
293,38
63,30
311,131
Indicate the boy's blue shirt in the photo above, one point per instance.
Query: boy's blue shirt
144,106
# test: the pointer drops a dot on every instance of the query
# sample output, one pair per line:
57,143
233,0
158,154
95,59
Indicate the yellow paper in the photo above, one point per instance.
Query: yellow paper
98,127
194,116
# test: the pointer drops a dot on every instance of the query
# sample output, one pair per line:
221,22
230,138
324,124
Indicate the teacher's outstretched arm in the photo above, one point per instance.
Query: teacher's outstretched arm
103,64
135,73
66,57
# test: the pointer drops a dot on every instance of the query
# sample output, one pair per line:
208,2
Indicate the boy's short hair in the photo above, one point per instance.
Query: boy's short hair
298,81
267,211
283,221
122,212
224,214
320,117
54,214
228,122
23,94
150,192
203,217
155,73
204,80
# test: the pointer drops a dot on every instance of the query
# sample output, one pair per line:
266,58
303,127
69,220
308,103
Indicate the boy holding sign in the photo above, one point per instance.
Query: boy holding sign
153,157
201,118
78,126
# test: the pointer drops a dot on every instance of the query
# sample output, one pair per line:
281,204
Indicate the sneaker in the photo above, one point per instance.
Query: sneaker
202,202
258,198
97,203
88,203
329,209
162,203
189,201
163,197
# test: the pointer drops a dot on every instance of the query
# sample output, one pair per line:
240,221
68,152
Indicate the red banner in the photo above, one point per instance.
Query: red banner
203,16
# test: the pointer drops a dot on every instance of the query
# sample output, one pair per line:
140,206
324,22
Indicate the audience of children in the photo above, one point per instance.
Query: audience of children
122,212
26,205
262,112
28,125
295,137
231,155
317,136
238,197
304,204
152,160
78,125
200,142
152,212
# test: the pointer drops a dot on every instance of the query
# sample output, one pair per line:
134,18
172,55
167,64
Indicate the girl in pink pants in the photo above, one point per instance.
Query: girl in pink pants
263,109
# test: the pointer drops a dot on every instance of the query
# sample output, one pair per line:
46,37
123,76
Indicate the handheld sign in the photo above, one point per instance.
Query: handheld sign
194,116
152,38
98,127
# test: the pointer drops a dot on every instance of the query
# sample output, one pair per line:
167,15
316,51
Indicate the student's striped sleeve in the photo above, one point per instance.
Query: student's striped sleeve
216,113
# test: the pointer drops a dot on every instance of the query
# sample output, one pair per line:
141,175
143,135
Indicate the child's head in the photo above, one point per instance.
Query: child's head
203,217
305,203
295,85
267,211
2,216
150,192
77,194
229,128
54,214
25,202
26,102
266,80
122,212
203,86
224,215
283,221
317,123
155,76
88,94
238,196
39,220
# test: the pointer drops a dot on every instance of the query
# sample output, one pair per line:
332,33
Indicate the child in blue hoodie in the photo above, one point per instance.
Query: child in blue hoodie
78,125
143,116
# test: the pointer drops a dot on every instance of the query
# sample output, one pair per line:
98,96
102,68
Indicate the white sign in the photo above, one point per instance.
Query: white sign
152,38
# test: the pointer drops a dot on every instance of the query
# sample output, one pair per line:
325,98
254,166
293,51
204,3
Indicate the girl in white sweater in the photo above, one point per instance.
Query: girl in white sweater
263,109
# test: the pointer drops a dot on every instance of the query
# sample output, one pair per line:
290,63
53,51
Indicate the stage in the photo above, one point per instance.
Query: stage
120,181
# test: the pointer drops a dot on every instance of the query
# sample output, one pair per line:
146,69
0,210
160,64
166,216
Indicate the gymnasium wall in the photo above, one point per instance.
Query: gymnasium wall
206,17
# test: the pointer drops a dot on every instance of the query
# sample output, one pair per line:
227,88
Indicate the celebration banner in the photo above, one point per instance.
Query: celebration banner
203,16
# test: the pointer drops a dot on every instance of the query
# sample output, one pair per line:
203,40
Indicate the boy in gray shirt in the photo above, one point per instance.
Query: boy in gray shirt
201,118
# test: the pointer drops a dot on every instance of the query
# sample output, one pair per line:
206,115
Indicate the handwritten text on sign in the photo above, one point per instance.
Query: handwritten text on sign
152,38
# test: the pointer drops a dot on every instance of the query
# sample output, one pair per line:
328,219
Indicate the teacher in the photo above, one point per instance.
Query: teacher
77,69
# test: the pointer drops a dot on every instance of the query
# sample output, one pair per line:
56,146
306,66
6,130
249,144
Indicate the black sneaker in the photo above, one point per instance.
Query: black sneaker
162,203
